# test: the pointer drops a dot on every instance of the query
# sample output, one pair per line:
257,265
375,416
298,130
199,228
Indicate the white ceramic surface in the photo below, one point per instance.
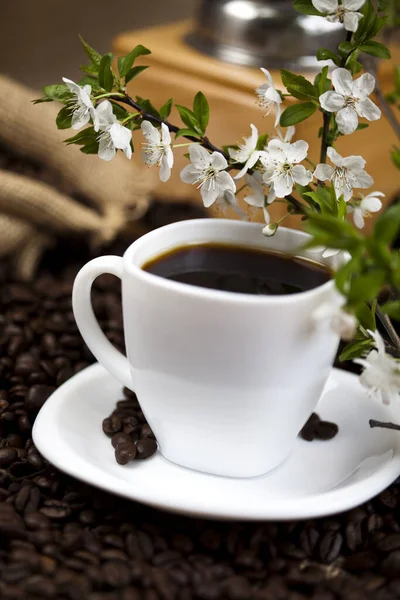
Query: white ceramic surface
318,478
212,365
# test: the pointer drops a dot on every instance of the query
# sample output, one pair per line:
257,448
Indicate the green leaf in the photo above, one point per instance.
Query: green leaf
92,148
189,118
134,72
322,197
165,110
387,226
395,155
94,56
262,141
106,77
356,349
306,7
147,106
125,62
58,92
344,274
186,132
375,49
325,54
88,80
82,137
41,100
362,126
392,309
202,110
297,113
64,118
298,86
366,316
119,111
90,70
366,287
345,48
322,82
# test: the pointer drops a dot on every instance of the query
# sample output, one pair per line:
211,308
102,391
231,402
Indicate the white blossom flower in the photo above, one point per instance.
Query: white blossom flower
325,252
258,196
280,166
381,371
82,108
270,229
246,153
157,150
268,97
345,12
208,172
338,320
348,173
369,204
112,135
289,133
350,100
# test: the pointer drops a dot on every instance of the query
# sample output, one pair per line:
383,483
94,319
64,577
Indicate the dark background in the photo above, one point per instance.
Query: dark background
39,38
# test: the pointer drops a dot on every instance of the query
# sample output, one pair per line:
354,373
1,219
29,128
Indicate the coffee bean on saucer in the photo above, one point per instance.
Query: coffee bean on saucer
120,438
112,425
125,452
146,447
325,430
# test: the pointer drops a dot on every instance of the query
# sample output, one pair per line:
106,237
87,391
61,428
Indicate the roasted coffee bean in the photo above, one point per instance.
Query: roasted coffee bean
125,453
146,448
112,425
7,456
330,546
130,425
146,431
325,430
120,438
37,396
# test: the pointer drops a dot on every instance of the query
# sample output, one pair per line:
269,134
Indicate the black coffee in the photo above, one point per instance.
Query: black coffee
238,269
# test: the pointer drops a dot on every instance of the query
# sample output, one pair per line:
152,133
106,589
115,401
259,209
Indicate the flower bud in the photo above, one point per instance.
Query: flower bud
270,230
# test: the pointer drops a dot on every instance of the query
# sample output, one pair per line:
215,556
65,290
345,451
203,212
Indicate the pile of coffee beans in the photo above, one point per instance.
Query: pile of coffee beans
62,539
131,435
317,429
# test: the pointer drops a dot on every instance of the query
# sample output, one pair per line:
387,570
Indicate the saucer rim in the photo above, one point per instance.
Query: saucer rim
315,505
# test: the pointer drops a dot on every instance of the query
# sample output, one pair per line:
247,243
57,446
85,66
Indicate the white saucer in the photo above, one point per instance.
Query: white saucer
318,478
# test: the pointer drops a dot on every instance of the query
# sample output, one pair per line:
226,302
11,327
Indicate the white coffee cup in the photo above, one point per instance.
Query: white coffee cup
225,380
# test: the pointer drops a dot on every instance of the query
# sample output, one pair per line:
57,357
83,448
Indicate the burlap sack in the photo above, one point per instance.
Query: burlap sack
117,190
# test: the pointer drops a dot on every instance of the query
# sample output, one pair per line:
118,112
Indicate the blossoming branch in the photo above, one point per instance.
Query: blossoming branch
270,166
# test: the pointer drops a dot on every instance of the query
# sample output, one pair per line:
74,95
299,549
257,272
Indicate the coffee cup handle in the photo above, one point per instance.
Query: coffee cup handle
116,363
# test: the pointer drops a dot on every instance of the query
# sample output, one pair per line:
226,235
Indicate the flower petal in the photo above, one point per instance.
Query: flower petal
71,85
358,218
79,119
254,136
367,109
347,120
127,151
323,172
283,185
271,195
120,135
170,156
301,175
104,114
277,151
106,149
325,6
350,20
165,134
150,132
353,163
332,101
363,86
371,203
335,157
353,5
209,192
165,171
225,182
199,156
297,152
218,161
268,76
342,81
328,252
363,179
188,174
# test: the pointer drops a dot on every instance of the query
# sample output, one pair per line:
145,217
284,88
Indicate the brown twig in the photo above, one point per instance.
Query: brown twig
384,425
